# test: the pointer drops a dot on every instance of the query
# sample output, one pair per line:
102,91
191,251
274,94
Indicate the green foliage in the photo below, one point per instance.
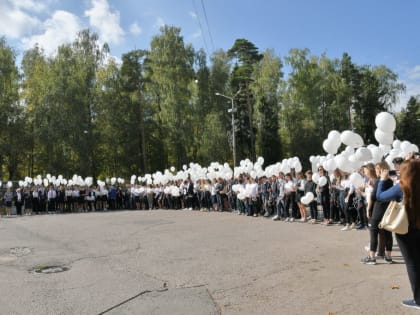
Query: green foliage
80,111
10,111
170,63
265,88
409,121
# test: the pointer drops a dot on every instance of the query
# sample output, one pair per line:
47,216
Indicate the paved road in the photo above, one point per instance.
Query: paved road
188,262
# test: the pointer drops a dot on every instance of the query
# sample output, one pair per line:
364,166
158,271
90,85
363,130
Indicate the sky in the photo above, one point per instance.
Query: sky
372,32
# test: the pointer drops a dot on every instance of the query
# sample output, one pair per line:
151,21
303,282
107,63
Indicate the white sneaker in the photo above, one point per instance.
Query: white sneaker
292,220
346,228
286,220
276,218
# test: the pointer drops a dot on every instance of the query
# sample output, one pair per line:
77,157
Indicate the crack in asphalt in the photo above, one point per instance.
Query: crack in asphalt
130,299
218,308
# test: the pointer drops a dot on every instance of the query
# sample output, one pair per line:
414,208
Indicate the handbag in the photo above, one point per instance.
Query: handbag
395,218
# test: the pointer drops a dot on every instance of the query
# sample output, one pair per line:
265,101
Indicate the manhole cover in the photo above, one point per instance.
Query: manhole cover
20,251
50,269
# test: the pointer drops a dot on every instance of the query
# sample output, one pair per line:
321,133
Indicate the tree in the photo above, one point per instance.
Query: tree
170,65
10,110
36,89
246,56
138,113
265,88
378,92
304,100
408,127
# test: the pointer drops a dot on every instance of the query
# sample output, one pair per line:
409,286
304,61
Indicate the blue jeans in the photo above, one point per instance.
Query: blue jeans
280,207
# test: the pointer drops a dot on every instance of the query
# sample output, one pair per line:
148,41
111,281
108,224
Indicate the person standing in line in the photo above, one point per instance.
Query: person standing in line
51,196
279,194
290,204
42,195
27,196
375,212
18,201
35,200
300,192
8,198
324,192
407,189
310,186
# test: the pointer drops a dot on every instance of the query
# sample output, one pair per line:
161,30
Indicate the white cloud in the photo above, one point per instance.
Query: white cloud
159,22
197,34
105,21
414,73
31,5
192,14
135,29
61,28
14,21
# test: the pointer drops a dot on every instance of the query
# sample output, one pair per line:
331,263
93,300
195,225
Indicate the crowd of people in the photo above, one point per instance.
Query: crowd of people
336,202
278,196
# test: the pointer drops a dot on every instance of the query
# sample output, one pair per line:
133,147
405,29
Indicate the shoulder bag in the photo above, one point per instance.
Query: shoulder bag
395,218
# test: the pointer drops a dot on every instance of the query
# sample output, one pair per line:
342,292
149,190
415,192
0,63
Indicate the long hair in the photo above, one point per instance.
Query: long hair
370,168
410,186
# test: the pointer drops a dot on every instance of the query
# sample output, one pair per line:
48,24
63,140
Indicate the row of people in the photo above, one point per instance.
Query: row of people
277,196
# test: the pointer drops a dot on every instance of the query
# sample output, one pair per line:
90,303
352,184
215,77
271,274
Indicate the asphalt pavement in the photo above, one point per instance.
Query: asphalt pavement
190,262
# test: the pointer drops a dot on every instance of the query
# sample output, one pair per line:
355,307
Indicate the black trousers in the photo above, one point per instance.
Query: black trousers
314,210
18,205
374,233
410,249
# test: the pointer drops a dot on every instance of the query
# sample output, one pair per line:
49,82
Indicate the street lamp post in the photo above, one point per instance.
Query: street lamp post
232,110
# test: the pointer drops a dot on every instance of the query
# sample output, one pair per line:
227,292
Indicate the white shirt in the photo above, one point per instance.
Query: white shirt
52,194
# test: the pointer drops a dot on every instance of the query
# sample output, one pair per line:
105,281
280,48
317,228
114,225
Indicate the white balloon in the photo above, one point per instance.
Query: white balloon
351,139
376,154
334,137
329,146
310,196
322,181
341,160
384,137
385,122
363,154
406,147
260,160
315,178
348,151
330,165
297,166
357,180
396,144
357,140
346,137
